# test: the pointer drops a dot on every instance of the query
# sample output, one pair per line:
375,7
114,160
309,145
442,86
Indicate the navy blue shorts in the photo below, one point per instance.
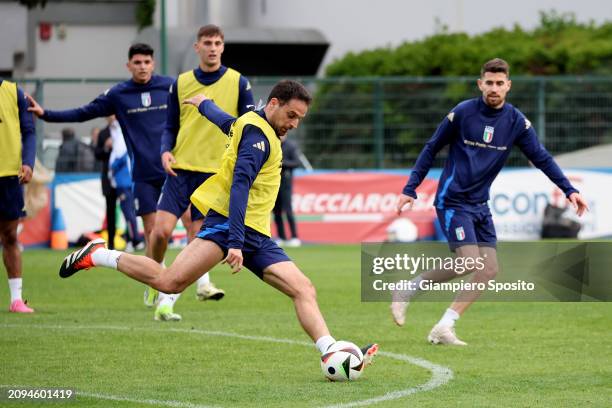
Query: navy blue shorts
12,206
177,192
258,252
468,227
146,195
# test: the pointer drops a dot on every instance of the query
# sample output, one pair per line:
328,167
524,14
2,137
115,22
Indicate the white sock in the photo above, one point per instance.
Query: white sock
15,287
204,279
407,294
324,342
168,298
106,257
449,318
415,283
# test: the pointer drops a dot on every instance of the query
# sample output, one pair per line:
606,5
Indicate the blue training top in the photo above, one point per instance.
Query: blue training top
141,113
480,139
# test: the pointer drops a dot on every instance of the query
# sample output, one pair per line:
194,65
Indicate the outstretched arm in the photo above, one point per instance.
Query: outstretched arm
98,108
536,153
442,136
212,112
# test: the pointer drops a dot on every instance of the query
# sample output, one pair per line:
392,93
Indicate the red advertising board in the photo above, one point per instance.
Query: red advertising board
356,207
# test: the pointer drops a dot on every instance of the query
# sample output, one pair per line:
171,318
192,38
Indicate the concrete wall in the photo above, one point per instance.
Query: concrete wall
85,51
13,34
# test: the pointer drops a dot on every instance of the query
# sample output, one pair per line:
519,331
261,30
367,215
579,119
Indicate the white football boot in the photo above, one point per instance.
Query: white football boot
209,291
444,335
398,312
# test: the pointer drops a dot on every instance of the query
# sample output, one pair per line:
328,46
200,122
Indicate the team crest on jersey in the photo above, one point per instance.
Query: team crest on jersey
145,98
460,233
487,136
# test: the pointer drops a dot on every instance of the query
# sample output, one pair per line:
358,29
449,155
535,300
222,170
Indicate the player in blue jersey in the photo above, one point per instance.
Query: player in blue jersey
238,201
480,132
192,148
17,155
140,105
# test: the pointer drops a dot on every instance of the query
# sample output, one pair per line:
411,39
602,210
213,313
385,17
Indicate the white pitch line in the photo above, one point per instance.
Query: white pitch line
440,374
164,403
176,404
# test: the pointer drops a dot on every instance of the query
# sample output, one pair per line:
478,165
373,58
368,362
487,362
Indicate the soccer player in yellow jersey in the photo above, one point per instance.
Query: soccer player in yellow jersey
17,155
237,202
192,148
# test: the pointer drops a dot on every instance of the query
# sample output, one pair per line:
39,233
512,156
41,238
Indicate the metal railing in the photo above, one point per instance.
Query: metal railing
383,122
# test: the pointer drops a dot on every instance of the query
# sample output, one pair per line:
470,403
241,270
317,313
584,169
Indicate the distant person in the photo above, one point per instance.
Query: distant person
17,155
291,161
557,223
481,133
120,168
103,148
74,155
94,134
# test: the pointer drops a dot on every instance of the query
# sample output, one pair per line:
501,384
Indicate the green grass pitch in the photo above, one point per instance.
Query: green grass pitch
93,334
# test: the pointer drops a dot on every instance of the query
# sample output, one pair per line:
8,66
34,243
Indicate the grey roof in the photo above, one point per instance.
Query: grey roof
274,35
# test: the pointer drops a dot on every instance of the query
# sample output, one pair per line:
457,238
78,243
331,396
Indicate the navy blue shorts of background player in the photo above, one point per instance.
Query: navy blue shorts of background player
146,195
258,252
11,199
473,226
177,192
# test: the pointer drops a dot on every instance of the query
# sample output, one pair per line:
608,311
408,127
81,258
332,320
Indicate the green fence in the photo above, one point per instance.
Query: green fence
383,122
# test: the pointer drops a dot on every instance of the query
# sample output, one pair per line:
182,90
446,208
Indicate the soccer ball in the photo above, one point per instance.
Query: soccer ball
343,361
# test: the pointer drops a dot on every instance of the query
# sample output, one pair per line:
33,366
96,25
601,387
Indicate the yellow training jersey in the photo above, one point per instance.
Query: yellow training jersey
10,130
199,143
214,193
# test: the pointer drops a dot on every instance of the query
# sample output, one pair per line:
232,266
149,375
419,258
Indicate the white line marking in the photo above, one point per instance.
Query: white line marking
164,403
440,374
177,404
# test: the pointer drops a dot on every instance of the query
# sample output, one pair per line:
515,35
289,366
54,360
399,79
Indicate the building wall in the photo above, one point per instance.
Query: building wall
354,25
98,34
85,51
349,25
13,18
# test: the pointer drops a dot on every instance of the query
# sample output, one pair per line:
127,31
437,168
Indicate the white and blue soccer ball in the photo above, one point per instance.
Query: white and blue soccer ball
343,361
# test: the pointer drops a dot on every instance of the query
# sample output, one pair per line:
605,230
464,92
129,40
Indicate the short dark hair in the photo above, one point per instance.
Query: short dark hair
68,134
288,89
495,65
140,48
210,30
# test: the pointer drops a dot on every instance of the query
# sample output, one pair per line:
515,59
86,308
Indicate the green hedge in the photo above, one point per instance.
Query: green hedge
558,46
360,121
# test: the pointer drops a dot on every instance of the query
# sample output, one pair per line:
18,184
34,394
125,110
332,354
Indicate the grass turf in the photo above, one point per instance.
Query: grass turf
92,333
